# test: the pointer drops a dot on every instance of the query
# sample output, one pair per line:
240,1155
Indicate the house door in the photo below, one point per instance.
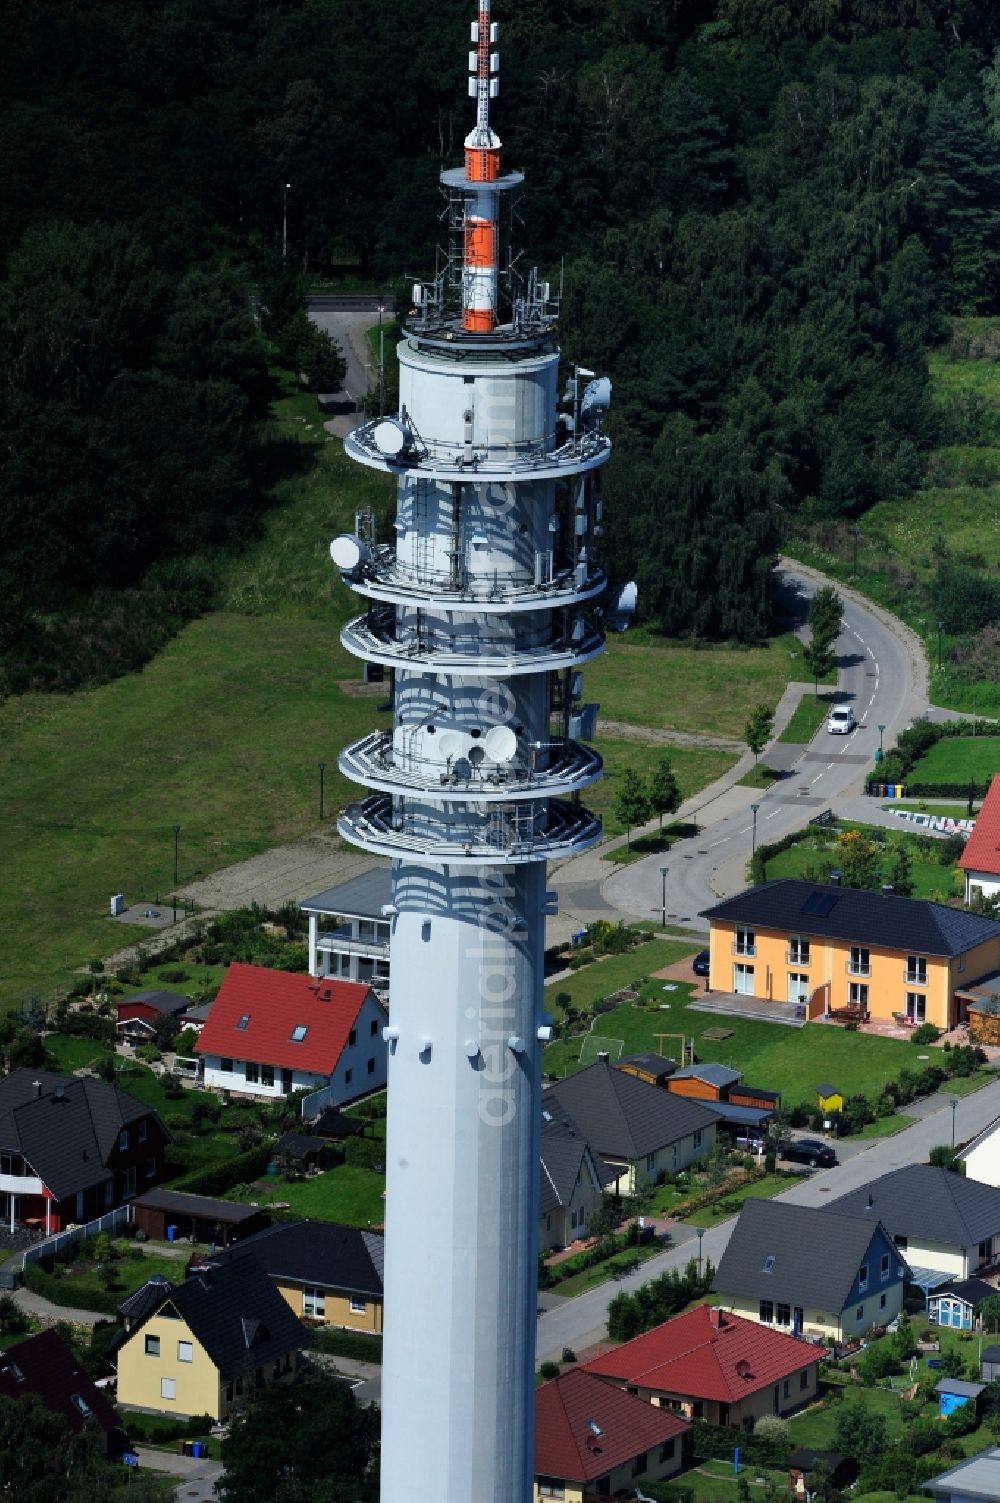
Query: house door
776,1398
286,1081
798,986
743,979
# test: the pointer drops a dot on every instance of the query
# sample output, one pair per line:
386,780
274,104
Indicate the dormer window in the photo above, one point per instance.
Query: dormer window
243,1022
299,1032
768,1264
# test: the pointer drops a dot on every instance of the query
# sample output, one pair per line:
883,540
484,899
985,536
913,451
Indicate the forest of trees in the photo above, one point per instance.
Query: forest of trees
765,211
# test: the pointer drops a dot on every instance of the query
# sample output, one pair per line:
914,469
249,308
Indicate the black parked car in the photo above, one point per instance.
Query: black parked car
700,963
812,1152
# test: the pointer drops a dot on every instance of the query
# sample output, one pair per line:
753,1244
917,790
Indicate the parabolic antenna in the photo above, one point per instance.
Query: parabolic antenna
462,768
451,744
476,755
348,552
500,743
391,436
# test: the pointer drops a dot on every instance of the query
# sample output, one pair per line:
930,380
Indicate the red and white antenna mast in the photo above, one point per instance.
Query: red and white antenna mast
482,168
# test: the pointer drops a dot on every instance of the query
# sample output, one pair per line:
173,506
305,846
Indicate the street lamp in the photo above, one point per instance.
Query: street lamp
663,894
322,774
855,534
284,224
940,630
953,1103
753,838
881,733
701,1235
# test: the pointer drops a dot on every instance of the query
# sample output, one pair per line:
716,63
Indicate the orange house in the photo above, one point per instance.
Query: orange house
827,947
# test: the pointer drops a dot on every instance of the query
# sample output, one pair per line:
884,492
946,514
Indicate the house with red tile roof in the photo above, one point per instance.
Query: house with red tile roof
980,861
712,1365
273,1032
593,1440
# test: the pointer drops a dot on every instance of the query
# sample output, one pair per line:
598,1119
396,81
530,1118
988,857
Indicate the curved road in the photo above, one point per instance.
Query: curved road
881,676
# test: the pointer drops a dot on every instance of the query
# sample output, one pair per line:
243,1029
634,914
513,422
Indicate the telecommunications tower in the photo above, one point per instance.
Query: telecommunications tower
483,606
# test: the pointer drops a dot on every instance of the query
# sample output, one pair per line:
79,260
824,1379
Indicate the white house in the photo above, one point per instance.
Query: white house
981,1155
980,861
273,1032
355,945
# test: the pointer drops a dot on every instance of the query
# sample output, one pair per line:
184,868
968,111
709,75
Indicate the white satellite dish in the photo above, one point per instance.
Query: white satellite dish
451,744
462,769
348,552
500,743
391,436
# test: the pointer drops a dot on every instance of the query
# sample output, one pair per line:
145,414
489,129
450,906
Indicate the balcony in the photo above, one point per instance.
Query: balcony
384,578
373,763
744,950
373,638
337,942
858,967
915,978
797,957
447,461
507,839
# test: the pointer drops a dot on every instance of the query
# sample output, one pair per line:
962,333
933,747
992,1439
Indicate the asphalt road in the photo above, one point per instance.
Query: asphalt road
579,1323
876,679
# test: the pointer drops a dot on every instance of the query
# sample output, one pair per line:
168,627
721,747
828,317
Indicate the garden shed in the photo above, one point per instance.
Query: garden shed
954,1392
167,1215
304,1151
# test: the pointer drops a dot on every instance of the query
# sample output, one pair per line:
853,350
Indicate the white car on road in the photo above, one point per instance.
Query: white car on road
841,721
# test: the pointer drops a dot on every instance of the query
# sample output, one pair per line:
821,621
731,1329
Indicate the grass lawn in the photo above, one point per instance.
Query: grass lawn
955,809
347,1194
888,1127
758,1189
610,974
930,879
648,680
694,768
808,716
71,1054
589,1278
815,1426
197,979
760,776
650,845
712,1480
769,1054
958,759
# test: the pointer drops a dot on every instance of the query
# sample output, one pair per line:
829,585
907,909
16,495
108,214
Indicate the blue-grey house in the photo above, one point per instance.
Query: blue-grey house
810,1271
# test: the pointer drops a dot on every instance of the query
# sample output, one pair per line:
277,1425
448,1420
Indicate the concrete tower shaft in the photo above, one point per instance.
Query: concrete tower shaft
483,605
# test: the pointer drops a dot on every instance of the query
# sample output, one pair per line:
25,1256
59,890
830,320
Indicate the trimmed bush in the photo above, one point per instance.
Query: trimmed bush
218,1178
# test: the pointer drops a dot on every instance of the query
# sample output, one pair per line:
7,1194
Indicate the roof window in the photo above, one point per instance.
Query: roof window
769,1263
299,1032
243,1022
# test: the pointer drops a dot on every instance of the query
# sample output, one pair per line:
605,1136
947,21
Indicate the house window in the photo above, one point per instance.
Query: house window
551,1487
902,1243
863,1277
185,1351
299,1032
371,1065
267,1075
858,994
883,1267
347,1076
803,1380
229,1393
373,1030
650,1162
986,1250
152,1346
786,1389
80,1403
352,1037
168,1388
123,1138
916,1006
358,1305
143,1132
668,1448
859,1313
767,1312
243,1023
798,950
916,969
151,1166
226,1066
860,961
314,1303
883,1300
639,1465
768,1264
251,1072
745,942
128,1183
782,1315
697,1139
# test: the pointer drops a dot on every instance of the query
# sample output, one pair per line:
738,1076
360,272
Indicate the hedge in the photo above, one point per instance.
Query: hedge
164,1427
69,1292
218,1178
716,1442
354,1344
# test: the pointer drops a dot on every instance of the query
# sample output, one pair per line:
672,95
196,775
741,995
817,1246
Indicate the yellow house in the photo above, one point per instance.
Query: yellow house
328,1274
571,1184
826,948
592,1440
209,1344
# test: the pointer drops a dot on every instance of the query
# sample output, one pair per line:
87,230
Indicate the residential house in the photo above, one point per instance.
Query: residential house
831,947
957,1303
138,1015
167,1215
349,929
741,1107
981,1000
571,1183
980,861
806,1464
209,1344
144,1300
273,1032
326,1273
643,1132
44,1367
710,1364
974,1480
594,1441
814,1272
305,1152
654,1069
947,1226
71,1148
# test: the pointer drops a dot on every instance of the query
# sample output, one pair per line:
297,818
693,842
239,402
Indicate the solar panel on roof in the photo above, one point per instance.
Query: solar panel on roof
819,903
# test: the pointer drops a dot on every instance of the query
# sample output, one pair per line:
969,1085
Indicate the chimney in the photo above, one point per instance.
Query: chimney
870,1202
38,1088
603,1057
716,1317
